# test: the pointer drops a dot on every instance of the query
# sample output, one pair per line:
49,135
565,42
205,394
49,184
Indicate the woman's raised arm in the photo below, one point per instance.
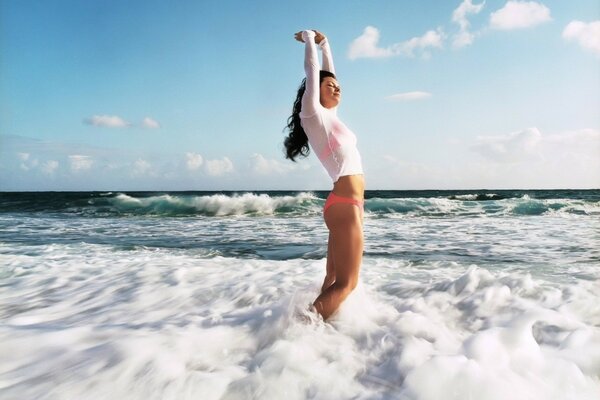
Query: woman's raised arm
310,100
327,57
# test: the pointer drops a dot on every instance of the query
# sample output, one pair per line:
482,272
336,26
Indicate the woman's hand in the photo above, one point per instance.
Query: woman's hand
319,37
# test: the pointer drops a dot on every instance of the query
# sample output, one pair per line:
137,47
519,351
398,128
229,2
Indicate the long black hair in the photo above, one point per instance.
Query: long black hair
296,143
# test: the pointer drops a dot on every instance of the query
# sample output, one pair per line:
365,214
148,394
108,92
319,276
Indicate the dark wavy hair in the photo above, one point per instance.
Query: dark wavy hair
296,143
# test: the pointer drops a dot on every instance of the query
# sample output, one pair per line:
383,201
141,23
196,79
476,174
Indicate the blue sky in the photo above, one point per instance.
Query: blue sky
194,95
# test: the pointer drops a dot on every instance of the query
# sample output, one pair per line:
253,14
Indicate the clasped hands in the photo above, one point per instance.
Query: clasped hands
318,36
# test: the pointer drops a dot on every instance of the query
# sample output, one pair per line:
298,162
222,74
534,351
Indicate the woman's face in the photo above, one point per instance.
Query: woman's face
331,93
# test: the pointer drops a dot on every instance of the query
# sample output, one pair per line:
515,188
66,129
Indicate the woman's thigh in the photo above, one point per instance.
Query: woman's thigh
345,240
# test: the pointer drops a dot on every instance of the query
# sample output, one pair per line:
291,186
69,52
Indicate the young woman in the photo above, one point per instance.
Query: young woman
314,121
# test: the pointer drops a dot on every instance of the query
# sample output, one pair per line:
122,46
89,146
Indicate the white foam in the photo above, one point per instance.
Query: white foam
217,204
474,196
88,321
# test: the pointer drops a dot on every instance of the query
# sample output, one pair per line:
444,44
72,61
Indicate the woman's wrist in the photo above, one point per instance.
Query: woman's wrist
308,35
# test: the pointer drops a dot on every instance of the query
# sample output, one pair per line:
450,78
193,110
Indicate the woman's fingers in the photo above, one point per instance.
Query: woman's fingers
318,36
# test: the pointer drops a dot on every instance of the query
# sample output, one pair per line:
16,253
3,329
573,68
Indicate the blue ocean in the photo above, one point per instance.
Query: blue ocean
484,295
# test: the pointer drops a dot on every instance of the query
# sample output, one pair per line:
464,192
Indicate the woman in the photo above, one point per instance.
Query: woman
314,120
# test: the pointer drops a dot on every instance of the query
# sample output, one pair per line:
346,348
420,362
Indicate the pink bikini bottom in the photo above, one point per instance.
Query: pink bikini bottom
334,199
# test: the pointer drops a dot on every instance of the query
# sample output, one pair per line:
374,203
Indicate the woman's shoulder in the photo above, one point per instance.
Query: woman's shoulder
312,113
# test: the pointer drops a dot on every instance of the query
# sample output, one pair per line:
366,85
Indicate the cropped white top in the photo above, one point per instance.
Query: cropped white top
331,140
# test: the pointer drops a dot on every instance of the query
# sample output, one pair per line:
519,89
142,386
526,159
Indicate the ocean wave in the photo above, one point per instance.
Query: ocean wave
378,204
528,206
442,207
477,196
214,205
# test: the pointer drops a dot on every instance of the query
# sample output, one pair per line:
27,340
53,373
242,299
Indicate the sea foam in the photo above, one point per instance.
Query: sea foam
212,205
89,321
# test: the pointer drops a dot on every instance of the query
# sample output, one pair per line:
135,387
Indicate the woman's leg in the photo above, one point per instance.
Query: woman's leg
330,268
346,246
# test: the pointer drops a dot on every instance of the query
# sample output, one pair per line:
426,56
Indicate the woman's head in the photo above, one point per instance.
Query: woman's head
296,143
330,91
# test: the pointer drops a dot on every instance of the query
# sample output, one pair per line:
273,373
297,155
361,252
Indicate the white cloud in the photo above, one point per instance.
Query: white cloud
519,14
460,13
107,121
219,167
27,162
396,172
264,166
429,39
459,16
150,123
587,35
80,162
462,39
513,147
409,96
530,144
574,154
49,167
365,46
141,167
193,161
524,159
584,138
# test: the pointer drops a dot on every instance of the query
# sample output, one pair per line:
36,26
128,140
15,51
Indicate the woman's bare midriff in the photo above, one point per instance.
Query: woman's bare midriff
352,186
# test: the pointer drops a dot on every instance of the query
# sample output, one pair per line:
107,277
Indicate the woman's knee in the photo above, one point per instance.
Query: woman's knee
346,285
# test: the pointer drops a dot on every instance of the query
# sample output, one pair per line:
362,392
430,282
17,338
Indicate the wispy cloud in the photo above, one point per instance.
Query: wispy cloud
511,147
219,167
513,15
141,167
409,96
366,45
528,158
431,39
66,166
49,167
27,162
519,14
587,35
261,165
114,121
193,161
583,138
150,123
464,37
530,144
107,121
80,162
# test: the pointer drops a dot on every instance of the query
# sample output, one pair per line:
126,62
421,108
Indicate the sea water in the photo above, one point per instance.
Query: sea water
483,295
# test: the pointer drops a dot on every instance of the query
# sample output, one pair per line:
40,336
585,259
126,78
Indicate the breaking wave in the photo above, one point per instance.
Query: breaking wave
378,204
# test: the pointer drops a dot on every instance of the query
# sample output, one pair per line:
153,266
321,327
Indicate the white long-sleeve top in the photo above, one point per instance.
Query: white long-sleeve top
331,140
